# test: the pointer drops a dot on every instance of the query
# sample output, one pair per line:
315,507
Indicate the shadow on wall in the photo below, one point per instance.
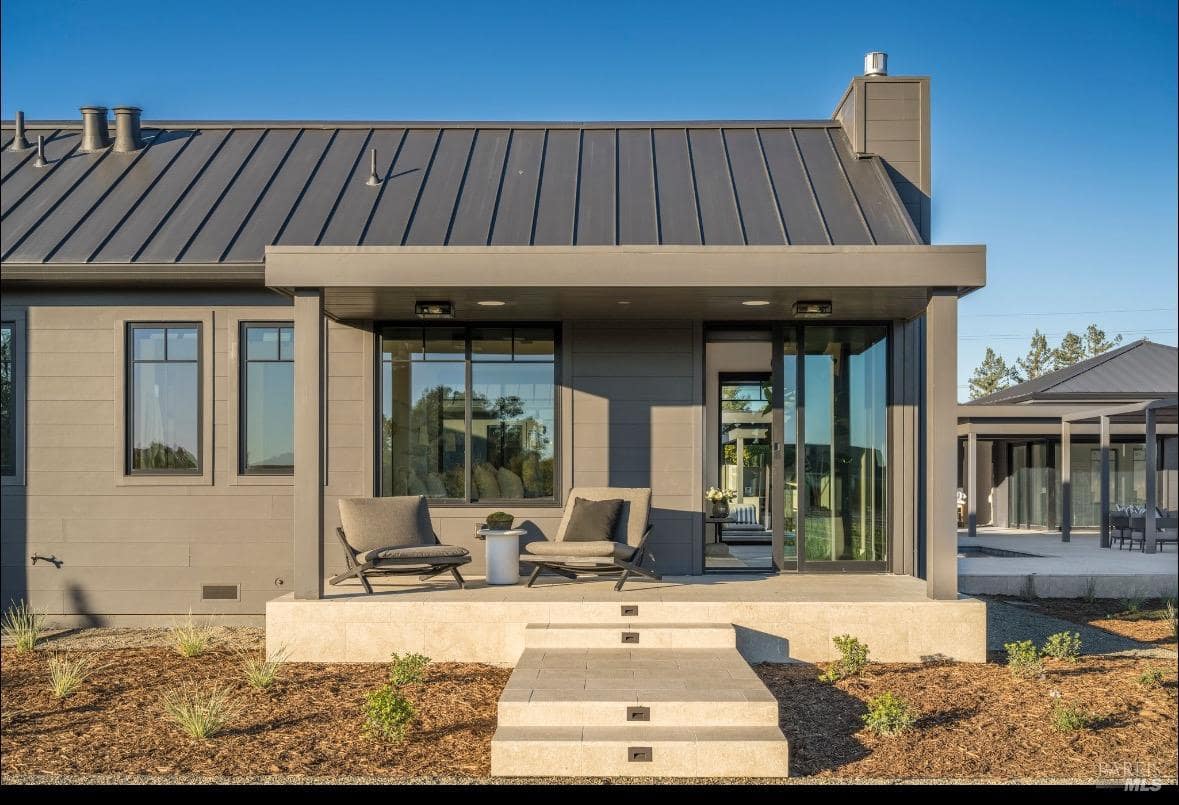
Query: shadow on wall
14,528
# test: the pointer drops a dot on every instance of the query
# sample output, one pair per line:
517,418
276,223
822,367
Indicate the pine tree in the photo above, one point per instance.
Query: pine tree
992,375
1071,350
1096,343
1036,362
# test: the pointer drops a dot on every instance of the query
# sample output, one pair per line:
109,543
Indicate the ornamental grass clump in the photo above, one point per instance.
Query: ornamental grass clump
853,657
1063,646
200,712
189,638
23,626
889,714
261,672
1023,659
67,672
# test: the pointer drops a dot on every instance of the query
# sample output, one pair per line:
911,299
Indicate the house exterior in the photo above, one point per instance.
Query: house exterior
214,330
1039,444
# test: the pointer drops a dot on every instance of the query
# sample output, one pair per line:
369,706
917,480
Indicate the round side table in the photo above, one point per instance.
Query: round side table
503,554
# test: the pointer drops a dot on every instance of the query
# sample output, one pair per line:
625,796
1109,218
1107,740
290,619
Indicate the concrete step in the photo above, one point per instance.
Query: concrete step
634,636
618,687
577,751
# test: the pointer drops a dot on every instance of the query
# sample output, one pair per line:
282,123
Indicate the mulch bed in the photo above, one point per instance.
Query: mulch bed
1148,625
978,721
310,722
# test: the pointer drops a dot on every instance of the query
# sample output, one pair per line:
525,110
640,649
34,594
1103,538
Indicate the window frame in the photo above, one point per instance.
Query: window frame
468,502
129,362
15,317
243,366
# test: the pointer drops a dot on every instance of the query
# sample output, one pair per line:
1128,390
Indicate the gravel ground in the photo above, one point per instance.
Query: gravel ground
115,779
1009,622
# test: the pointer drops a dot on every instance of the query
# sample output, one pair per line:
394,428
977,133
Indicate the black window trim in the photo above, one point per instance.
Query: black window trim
551,502
11,325
129,362
243,392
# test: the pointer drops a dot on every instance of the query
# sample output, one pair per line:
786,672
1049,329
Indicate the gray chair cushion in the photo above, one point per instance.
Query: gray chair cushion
635,513
416,554
394,522
602,549
593,520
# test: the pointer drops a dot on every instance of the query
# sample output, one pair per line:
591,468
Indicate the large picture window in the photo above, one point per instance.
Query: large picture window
164,398
468,413
7,400
267,399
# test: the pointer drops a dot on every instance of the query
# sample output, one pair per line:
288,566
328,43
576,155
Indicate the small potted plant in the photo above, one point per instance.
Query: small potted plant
718,501
499,521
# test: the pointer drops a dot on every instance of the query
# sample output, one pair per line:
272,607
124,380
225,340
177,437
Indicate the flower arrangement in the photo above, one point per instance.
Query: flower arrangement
714,495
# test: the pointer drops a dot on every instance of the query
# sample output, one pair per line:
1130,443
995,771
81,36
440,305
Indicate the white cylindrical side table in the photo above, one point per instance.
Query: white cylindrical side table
503,554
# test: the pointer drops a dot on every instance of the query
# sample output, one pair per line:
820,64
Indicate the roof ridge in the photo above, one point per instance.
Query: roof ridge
71,124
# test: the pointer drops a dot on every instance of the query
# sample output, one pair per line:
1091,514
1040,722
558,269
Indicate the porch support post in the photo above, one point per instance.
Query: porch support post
1066,481
941,444
308,486
972,484
1150,538
1104,447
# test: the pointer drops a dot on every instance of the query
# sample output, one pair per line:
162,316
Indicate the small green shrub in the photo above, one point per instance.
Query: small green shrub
387,714
1090,590
1151,678
261,672
1070,718
68,672
889,714
1023,659
407,670
1063,646
23,625
189,638
853,657
200,713
1133,604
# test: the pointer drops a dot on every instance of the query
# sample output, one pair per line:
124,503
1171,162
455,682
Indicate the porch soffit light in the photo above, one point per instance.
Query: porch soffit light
756,302
490,303
434,310
812,310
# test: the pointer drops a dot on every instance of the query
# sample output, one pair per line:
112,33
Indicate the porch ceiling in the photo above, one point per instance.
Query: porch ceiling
638,283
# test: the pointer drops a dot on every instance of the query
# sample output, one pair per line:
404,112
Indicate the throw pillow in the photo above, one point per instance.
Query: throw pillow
593,520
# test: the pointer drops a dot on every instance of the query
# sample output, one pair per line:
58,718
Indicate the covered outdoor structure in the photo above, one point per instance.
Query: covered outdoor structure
1149,419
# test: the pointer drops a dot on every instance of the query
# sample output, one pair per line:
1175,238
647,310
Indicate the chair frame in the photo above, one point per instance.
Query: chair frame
396,567
596,566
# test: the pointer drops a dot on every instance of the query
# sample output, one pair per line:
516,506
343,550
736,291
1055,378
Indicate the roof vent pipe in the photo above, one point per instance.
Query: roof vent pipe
40,161
94,131
876,63
127,137
374,178
19,142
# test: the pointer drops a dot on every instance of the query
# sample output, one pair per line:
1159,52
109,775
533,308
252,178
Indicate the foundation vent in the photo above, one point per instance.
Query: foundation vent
220,592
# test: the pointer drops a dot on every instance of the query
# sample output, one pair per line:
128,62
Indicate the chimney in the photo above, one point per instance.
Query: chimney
19,141
888,117
94,131
127,137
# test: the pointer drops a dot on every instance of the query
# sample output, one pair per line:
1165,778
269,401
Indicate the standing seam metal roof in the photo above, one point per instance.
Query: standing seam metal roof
222,192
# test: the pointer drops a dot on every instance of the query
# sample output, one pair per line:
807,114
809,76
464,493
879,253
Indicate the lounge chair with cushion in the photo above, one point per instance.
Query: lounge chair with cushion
393,536
603,531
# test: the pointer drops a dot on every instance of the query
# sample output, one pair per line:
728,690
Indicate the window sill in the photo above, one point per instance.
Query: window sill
493,505
261,479
204,479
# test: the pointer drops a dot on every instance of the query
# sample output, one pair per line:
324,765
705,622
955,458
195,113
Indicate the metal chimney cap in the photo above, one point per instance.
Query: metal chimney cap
92,109
126,109
876,63
127,136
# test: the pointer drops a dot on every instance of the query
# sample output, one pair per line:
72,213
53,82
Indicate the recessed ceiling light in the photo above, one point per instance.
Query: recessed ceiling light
624,301
491,303
756,302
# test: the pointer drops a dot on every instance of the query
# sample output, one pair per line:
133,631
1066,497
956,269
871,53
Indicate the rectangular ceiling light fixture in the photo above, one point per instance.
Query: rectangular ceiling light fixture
812,310
434,310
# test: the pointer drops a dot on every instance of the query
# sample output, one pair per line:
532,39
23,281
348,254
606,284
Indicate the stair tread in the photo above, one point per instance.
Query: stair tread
636,734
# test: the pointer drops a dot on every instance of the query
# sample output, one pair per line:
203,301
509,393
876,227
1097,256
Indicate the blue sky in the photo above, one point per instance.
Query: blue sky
1054,123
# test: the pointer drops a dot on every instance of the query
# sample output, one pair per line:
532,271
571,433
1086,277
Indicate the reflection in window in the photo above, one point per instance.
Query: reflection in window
7,402
428,440
268,399
164,398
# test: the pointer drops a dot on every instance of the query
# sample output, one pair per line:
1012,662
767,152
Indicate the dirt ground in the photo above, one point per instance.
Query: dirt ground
976,721
979,721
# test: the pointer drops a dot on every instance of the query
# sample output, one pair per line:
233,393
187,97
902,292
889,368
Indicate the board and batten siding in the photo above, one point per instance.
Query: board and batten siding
637,421
137,548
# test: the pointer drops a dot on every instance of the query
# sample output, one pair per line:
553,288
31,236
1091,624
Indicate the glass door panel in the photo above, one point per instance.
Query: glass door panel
745,451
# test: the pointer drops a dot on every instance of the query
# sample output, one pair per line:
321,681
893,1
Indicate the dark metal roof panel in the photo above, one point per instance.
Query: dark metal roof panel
11,160
222,192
